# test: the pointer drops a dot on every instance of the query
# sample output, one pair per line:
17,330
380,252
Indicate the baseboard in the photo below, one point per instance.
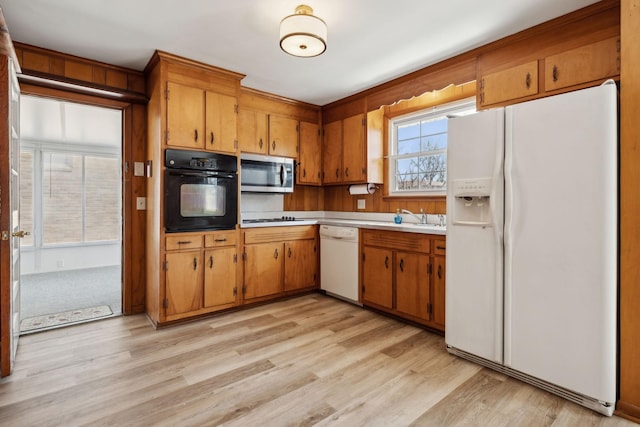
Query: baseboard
628,411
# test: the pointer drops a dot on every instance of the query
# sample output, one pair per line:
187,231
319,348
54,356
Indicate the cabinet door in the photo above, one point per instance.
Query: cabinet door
300,264
412,284
596,61
310,167
332,153
283,136
377,276
354,166
263,269
252,131
220,276
185,116
183,282
438,284
509,84
220,122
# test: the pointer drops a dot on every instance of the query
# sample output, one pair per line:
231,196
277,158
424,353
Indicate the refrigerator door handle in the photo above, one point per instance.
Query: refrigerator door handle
508,233
497,222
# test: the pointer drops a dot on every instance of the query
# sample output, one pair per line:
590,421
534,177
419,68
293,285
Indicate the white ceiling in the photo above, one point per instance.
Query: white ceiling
369,41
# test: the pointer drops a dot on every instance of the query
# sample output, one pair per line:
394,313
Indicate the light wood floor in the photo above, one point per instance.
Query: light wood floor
312,360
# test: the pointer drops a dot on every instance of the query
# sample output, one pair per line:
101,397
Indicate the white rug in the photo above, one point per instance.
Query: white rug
64,318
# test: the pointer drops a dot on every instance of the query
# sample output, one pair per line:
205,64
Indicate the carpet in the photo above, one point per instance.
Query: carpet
64,318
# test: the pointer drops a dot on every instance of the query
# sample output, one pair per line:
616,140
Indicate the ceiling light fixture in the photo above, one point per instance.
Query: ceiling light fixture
303,34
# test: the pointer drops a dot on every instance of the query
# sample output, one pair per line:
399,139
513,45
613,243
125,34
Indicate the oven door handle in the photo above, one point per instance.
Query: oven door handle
283,175
204,174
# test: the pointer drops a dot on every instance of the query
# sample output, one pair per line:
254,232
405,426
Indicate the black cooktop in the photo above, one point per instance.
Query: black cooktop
260,220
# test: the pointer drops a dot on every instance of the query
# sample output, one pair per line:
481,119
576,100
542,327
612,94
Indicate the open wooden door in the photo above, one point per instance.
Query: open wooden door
10,232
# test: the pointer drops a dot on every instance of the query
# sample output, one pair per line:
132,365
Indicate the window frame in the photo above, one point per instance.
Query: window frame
435,112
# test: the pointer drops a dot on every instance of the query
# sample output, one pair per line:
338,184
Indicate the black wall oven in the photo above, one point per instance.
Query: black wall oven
201,191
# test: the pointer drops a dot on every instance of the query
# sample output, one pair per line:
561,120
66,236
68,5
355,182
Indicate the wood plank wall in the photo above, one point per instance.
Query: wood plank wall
58,66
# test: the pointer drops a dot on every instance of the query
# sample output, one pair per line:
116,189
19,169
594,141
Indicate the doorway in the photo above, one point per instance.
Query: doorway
71,203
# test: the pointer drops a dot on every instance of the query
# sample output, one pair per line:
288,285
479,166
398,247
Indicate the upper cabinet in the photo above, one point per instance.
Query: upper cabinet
283,136
542,74
352,149
252,131
200,119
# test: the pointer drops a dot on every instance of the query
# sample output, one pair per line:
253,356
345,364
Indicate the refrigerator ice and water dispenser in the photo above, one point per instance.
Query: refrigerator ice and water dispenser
472,201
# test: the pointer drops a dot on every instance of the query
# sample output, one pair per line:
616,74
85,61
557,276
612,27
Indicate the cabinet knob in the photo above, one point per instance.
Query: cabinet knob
260,143
402,264
346,172
386,262
555,73
289,254
273,145
195,264
211,261
439,272
195,134
275,254
212,137
527,81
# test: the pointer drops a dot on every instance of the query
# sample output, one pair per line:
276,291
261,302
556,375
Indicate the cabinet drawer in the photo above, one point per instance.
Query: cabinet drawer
596,61
439,247
222,238
191,241
397,240
509,84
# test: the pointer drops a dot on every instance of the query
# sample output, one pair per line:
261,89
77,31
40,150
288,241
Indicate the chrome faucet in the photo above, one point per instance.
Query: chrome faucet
422,218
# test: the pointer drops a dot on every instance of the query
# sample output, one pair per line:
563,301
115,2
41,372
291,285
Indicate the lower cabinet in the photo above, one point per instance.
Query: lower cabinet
279,260
403,274
200,273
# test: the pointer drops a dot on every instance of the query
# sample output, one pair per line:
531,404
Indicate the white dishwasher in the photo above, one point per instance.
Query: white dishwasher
339,262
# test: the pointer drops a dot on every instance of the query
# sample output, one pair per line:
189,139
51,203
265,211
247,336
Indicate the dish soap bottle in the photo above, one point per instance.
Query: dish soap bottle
398,218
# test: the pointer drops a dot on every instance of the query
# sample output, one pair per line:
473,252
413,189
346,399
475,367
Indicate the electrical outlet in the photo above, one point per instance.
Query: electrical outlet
141,203
361,203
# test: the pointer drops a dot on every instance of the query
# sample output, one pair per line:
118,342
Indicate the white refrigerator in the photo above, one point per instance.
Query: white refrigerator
532,242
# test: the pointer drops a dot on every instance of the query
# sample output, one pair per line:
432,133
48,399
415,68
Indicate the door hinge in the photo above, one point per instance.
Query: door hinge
165,303
363,289
5,235
235,258
319,132
126,167
429,308
235,108
166,94
315,249
364,171
244,256
165,265
244,290
235,291
429,269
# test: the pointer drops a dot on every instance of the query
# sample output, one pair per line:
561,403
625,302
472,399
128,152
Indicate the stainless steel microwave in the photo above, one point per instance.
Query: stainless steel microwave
266,174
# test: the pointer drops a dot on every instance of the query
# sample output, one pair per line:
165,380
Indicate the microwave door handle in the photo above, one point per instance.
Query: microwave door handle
283,175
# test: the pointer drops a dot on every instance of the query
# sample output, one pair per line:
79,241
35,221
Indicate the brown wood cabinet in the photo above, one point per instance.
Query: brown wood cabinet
403,274
309,170
352,149
279,260
283,136
200,119
200,273
252,131
550,74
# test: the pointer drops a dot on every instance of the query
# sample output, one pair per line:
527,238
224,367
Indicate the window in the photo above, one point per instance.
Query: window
418,150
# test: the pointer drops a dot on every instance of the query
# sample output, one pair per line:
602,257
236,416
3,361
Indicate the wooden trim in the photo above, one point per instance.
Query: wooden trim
6,45
628,411
629,403
160,55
